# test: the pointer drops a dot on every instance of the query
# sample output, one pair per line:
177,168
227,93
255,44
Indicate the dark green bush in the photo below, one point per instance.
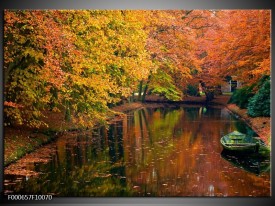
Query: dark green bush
192,90
259,104
263,80
241,96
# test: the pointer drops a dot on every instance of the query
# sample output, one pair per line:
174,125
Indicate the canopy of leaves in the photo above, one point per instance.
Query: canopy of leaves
72,61
80,61
238,45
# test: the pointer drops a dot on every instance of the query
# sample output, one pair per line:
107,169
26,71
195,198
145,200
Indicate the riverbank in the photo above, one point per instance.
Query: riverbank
261,125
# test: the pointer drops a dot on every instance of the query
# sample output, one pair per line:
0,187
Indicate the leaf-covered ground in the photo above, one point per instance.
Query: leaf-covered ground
20,141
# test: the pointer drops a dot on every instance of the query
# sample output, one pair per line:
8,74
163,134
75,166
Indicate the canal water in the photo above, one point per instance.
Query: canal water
160,151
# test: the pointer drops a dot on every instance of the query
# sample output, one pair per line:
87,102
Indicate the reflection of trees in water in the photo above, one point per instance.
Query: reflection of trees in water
148,141
115,142
98,179
254,163
191,165
88,166
161,151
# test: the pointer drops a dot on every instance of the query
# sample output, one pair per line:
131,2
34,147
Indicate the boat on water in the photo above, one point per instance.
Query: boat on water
239,142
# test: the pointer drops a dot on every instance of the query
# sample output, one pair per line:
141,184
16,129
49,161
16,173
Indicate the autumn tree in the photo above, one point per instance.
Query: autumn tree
113,59
75,62
230,43
239,45
173,50
35,44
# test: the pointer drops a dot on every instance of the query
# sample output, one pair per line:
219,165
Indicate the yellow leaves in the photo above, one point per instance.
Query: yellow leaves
55,109
37,55
94,57
14,115
113,38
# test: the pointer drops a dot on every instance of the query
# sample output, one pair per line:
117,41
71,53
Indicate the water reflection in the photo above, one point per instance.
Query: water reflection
165,151
256,163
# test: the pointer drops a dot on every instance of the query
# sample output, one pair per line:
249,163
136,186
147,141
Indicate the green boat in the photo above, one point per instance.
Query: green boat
239,142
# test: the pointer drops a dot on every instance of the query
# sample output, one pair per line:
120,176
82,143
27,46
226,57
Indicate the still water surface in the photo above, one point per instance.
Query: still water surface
164,151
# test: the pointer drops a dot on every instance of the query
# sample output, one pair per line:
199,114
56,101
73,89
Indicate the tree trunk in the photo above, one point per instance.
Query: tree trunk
146,87
67,111
140,90
209,95
144,92
133,96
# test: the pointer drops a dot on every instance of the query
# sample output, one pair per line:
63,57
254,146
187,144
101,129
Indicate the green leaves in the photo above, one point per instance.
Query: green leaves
241,96
162,84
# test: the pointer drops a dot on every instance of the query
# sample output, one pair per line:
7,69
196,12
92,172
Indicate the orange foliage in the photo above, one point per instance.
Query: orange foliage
238,46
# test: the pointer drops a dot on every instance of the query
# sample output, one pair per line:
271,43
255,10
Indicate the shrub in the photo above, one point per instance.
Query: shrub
259,104
192,90
241,96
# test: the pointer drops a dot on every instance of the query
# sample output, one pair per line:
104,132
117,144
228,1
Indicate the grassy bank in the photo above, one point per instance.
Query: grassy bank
21,141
